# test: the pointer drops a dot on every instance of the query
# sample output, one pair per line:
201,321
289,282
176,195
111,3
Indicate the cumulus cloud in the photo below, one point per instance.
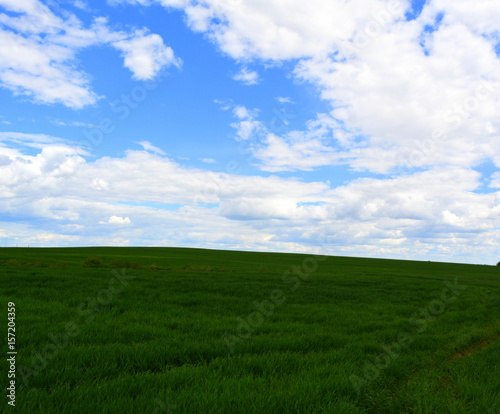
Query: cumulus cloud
275,30
247,126
422,108
145,54
38,49
293,150
41,71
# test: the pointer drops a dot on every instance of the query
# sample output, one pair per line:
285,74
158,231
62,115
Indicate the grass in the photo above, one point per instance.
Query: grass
157,330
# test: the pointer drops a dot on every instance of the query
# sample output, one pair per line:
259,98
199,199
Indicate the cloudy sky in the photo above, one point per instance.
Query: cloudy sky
357,128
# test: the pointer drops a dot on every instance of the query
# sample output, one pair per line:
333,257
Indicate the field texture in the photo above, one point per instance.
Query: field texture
170,330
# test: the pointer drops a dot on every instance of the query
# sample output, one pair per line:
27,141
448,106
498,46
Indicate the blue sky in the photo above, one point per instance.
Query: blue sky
361,128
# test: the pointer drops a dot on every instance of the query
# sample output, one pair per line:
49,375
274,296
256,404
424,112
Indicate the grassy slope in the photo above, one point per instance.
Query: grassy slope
161,337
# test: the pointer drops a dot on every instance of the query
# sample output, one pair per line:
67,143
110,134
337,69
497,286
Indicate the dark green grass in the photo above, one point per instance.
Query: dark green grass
160,337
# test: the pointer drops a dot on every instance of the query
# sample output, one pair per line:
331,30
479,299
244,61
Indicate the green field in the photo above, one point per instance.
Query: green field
171,330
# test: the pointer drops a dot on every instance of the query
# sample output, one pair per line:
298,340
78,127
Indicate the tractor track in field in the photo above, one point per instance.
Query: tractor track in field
475,347
447,384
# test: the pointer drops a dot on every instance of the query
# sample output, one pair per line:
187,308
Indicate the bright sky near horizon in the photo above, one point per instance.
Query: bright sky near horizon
357,128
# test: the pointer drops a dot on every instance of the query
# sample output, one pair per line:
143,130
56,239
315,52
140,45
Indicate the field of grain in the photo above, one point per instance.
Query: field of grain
171,330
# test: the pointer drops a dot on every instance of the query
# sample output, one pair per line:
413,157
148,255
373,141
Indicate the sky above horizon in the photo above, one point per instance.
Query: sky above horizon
357,128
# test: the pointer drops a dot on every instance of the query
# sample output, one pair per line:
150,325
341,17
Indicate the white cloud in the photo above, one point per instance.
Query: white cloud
209,161
279,155
41,70
247,77
145,55
151,148
224,105
399,98
35,140
38,49
99,184
495,180
484,17
247,126
116,220
276,30
132,2
294,150
51,237
73,123
80,4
